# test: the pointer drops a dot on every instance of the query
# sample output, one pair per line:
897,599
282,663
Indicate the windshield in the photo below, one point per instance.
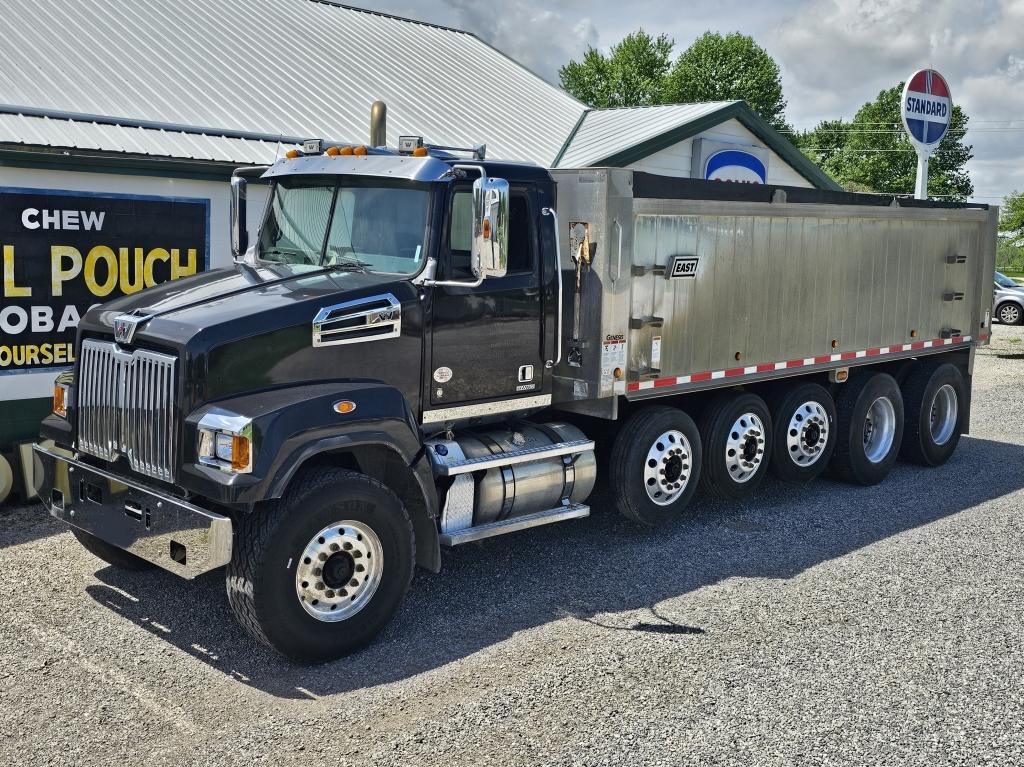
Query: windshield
376,228
1004,282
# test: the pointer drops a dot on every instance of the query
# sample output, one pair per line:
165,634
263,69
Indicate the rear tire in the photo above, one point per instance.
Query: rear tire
736,437
934,395
655,465
109,553
319,575
869,421
803,431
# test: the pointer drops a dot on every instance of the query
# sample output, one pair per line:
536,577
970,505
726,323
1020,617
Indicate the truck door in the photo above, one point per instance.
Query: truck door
487,340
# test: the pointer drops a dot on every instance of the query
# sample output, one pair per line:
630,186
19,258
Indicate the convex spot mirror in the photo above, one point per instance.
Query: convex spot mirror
489,255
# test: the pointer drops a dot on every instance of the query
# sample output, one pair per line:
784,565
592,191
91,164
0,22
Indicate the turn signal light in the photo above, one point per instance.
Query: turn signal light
239,452
359,151
60,405
344,407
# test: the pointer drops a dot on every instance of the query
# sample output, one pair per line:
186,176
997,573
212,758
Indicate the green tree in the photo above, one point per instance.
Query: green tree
632,74
1011,216
872,151
723,68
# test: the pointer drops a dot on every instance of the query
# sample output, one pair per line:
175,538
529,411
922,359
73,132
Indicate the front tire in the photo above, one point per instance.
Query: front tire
319,575
655,465
1010,314
869,419
935,396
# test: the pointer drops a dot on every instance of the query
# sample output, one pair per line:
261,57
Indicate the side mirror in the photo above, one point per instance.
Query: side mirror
489,254
236,216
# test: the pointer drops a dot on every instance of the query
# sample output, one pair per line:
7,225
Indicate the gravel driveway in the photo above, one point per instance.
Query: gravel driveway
813,625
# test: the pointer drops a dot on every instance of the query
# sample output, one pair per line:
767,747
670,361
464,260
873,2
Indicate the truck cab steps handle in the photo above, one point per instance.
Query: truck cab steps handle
557,514
445,468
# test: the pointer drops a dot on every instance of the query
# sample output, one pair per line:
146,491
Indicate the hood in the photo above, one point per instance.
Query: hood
178,310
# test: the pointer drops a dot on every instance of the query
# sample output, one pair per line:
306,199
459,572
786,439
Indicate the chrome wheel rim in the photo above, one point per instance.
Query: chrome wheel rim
1009,314
339,571
667,467
943,414
879,429
744,448
807,433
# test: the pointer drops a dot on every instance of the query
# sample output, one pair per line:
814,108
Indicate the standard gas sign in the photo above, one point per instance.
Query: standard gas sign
63,252
927,108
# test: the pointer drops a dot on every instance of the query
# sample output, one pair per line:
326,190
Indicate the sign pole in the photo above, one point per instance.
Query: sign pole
921,187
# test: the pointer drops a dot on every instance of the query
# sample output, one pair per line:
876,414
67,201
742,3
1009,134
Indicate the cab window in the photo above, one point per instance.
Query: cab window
520,233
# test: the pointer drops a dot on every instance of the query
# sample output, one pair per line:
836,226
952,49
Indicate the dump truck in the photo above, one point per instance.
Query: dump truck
422,348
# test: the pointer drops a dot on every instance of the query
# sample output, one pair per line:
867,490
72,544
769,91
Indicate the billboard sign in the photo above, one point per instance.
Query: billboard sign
62,252
926,108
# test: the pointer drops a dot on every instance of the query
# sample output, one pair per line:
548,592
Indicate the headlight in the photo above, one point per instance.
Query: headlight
225,441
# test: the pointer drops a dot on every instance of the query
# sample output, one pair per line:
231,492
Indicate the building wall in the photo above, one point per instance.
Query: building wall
26,385
676,160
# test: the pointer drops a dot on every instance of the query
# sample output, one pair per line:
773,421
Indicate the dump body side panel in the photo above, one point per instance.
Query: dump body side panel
724,291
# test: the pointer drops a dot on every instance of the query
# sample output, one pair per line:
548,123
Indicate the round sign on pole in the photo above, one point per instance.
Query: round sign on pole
927,108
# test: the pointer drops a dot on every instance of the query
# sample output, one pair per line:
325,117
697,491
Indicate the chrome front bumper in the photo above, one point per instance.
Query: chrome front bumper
178,536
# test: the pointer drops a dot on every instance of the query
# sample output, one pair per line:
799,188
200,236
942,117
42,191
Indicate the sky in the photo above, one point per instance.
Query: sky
835,55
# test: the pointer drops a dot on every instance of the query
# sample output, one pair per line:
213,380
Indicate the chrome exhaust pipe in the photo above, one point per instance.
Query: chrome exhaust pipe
378,124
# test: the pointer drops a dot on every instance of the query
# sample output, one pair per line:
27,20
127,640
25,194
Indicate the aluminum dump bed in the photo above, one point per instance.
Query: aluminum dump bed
690,283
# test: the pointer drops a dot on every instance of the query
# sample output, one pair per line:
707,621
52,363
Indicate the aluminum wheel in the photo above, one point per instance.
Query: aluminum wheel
667,468
807,434
744,449
944,414
1009,314
879,429
339,571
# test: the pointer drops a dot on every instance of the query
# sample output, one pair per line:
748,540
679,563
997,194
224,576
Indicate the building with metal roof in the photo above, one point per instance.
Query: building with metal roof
139,111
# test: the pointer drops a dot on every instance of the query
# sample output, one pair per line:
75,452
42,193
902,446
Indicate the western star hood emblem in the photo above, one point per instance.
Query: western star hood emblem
125,326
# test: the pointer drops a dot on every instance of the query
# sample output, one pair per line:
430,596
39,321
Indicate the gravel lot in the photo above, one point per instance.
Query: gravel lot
815,625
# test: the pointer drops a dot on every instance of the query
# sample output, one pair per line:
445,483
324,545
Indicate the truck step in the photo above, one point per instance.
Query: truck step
467,465
557,514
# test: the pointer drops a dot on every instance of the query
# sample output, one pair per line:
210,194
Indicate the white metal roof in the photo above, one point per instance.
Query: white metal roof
605,132
300,68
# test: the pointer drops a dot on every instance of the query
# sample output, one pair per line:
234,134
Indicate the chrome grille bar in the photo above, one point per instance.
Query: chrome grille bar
125,403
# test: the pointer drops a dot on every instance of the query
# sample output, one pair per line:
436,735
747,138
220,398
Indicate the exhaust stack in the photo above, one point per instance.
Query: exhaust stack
378,124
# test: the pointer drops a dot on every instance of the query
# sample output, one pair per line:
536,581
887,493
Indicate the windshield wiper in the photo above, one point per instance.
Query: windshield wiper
348,265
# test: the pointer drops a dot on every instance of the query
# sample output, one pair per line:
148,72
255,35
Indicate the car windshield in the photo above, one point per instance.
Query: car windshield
323,223
1004,282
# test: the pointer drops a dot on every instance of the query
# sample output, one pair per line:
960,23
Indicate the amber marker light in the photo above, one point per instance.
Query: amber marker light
420,151
344,407
291,154
239,452
346,151
332,151
487,229
60,404
359,151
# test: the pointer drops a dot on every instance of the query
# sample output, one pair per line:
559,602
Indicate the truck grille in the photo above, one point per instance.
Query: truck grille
125,406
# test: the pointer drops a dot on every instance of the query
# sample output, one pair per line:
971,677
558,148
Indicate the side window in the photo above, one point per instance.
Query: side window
520,233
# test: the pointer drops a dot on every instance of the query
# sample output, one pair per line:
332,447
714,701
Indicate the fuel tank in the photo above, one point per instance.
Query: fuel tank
524,488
